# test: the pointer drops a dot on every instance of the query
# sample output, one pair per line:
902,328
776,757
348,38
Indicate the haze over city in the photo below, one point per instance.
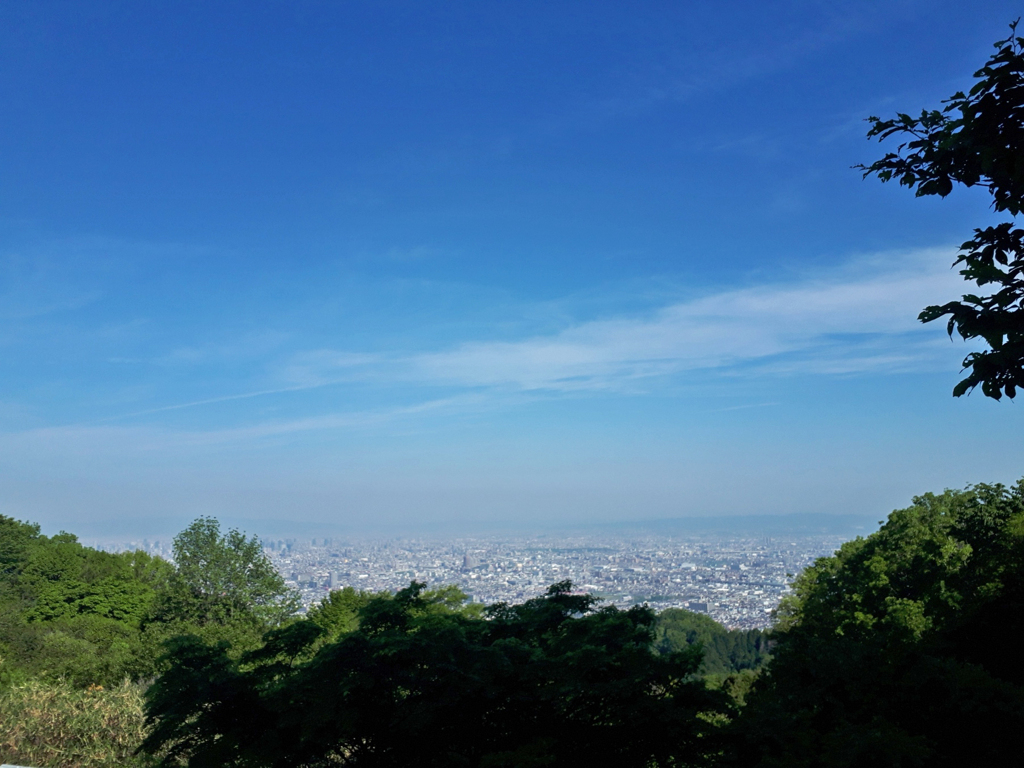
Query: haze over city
397,268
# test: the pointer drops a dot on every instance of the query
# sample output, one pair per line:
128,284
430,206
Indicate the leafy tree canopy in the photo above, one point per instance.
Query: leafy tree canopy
725,651
90,617
225,579
976,139
70,611
553,681
899,649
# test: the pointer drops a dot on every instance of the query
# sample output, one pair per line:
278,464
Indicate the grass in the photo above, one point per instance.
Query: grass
55,725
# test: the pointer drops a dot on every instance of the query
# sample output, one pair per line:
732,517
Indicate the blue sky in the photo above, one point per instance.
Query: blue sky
397,266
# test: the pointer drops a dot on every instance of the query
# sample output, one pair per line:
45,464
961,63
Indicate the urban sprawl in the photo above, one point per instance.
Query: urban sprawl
737,581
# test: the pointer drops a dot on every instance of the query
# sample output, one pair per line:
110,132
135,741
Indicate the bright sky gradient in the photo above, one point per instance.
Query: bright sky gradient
418,266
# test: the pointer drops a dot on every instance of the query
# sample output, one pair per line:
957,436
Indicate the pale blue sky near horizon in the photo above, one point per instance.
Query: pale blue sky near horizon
472,265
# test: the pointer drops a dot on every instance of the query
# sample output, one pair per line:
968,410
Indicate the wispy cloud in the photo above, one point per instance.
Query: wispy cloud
208,401
857,319
97,439
248,346
347,420
860,318
31,288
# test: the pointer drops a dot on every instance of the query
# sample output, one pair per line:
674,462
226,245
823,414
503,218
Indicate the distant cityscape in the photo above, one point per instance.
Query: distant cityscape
737,580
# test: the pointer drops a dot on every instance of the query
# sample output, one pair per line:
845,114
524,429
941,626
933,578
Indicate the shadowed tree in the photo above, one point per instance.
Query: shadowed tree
552,681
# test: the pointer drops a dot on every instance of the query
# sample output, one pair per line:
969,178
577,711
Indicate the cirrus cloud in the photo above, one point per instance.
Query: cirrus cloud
859,318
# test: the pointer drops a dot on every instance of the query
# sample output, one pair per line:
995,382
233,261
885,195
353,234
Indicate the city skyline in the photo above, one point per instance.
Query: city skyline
737,579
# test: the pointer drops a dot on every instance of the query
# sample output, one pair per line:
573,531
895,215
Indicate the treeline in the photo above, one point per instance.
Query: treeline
895,651
82,633
898,650
87,617
81,629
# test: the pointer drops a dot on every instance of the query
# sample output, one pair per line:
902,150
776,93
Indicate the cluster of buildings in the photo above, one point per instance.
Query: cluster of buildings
738,581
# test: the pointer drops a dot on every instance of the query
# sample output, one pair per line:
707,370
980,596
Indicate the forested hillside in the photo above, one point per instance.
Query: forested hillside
897,650
725,651
82,632
74,613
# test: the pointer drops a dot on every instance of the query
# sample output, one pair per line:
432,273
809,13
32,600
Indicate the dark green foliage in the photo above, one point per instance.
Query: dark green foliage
725,651
422,682
15,538
898,650
994,257
976,139
737,685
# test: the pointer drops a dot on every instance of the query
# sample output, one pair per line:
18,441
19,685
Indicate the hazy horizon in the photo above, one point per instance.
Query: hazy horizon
121,531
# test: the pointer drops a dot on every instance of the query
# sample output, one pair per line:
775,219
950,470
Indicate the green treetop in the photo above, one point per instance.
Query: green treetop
900,649
225,579
421,681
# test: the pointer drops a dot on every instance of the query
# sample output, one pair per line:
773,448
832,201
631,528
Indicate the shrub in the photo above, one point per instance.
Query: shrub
55,725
